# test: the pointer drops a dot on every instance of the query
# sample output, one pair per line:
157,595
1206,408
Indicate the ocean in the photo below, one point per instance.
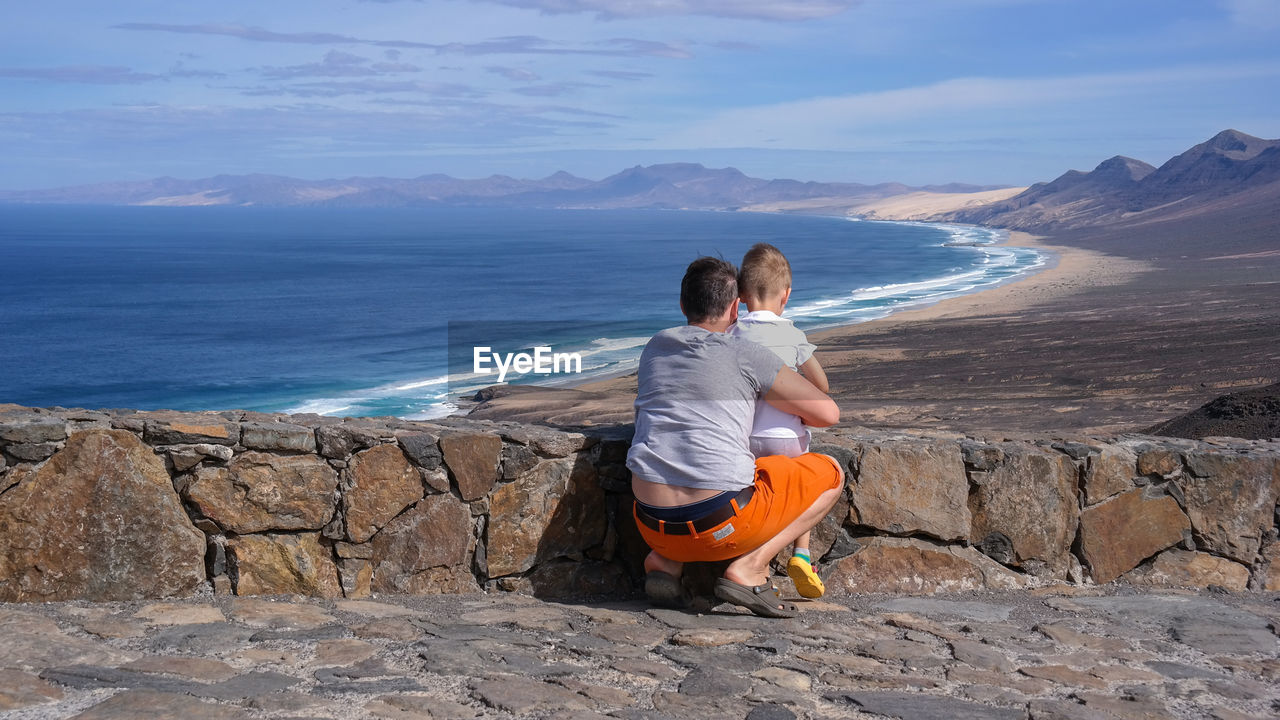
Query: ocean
381,311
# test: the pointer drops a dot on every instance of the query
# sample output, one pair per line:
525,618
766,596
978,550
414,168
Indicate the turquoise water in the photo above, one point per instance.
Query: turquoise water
359,311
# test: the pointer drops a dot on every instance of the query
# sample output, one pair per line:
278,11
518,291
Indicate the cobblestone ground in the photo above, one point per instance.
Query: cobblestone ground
1049,653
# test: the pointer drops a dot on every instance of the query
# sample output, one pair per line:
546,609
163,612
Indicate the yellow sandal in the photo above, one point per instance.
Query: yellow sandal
808,584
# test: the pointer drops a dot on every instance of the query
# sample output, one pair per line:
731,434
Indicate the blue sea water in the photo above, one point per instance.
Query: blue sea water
367,311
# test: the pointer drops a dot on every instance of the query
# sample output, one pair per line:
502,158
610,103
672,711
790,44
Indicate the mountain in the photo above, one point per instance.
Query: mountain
673,186
1231,167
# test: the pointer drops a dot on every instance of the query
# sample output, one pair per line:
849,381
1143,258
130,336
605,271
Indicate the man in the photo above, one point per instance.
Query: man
700,494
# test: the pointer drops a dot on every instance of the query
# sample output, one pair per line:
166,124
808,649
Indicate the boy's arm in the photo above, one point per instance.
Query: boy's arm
814,373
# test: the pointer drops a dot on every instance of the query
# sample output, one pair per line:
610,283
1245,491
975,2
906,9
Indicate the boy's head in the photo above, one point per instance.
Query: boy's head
765,275
709,287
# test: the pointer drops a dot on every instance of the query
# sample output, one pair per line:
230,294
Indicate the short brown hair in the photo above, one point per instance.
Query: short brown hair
765,272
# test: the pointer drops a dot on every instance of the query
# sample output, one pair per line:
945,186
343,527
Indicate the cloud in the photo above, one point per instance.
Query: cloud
553,89
336,88
786,10
620,74
243,32
839,122
516,74
82,74
180,70
530,45
510,45
338,64
1254,14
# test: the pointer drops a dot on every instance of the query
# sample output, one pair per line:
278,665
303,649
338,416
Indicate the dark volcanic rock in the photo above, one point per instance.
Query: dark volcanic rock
1252,414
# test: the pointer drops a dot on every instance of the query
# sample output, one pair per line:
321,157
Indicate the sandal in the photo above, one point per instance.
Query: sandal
763,600
666,590
807,582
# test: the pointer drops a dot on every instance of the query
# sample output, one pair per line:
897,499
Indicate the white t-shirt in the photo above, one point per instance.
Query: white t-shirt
789,343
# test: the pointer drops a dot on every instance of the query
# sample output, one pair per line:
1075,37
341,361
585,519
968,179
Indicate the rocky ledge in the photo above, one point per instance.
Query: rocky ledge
1053,653
123,505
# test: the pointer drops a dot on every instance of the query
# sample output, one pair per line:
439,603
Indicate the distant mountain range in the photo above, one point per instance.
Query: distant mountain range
1232,175
1231,170
670,186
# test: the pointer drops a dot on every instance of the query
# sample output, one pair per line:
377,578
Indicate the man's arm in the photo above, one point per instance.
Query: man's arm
813,372
793,394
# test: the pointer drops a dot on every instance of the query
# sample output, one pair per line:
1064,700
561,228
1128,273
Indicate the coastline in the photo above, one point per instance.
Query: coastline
1066,270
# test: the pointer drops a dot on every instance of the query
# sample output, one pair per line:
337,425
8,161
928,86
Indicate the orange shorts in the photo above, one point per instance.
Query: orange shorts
784,488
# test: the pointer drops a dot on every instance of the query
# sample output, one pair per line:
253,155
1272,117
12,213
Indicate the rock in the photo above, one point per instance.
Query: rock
1191,569
383,484
149,704
356,577
19,689
554,510
277,436
521,696
339,441
1029,498
375,609
472,459
416,707
421,448
980,655
1269,573
1040,709
1126,708
31,428
1110,472
711,637
33,452
276,564
342,652
186,428
170,613
427,549
578,580
1159,463
1231,500
908,488
98,521
1121,532
917,706
917,567
201,669
1070,637
1200,622
939,607
34,642
258,492
267,613
1064,675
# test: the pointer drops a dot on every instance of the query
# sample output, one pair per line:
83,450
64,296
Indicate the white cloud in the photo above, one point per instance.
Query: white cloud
1254,14
839,122
756,9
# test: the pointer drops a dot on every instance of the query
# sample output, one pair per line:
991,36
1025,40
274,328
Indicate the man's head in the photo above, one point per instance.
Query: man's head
765,275
708,290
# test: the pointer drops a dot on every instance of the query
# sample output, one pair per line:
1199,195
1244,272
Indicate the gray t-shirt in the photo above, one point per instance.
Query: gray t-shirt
696,400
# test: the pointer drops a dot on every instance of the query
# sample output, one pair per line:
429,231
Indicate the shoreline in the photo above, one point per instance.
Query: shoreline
1066,271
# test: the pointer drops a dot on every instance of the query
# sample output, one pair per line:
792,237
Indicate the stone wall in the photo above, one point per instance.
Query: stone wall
112,505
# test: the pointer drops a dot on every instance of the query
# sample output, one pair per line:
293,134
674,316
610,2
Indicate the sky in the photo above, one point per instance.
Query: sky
916,91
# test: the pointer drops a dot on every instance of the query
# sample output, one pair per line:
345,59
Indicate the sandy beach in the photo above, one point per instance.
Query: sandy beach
1120,330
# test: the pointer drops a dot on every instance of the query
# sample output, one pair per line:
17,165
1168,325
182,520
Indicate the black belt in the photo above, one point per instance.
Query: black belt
700,525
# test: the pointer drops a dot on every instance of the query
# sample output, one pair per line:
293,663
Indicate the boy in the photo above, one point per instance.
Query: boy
764,284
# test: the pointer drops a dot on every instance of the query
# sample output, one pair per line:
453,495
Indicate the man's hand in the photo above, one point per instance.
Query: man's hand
793,394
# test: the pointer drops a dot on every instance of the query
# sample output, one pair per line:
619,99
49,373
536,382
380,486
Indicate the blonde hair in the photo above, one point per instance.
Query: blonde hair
765,272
